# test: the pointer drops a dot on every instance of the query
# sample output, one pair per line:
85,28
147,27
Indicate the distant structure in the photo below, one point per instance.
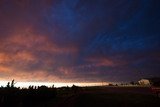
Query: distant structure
144,82
150,81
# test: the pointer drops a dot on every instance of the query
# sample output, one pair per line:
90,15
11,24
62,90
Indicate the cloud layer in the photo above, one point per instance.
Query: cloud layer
79,40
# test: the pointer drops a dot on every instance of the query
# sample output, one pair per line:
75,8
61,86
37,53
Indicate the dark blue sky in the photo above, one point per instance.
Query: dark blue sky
79,40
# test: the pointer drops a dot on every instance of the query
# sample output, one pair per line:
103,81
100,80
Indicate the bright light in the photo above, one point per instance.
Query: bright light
27,84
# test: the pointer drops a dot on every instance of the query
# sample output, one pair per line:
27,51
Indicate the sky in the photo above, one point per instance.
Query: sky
79,40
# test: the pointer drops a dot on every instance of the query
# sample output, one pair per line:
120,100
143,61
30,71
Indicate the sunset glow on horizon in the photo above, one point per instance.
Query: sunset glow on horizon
50,84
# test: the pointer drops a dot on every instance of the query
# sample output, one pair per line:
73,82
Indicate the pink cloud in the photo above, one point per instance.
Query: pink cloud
101,62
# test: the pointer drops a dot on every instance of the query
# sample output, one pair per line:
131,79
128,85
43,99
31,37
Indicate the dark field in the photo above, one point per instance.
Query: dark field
80,97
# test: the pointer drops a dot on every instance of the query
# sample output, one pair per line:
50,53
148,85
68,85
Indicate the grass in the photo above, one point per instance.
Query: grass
80,97
117,100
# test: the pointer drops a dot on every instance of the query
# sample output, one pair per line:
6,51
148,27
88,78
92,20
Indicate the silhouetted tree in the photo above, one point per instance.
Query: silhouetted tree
8,85
30,87
132,83
53,86
75,88
110,84
12,83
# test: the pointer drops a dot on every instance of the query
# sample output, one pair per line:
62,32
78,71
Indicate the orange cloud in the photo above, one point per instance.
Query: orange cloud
23,49
9,73
35,76
22,56
66,70
25,56
4,58
4,69
101,61
27,39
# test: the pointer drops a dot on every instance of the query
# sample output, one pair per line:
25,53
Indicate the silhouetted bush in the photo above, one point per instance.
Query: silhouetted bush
75,89
10,96
110,84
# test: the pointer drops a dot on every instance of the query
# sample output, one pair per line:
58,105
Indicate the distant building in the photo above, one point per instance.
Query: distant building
144,82
150,81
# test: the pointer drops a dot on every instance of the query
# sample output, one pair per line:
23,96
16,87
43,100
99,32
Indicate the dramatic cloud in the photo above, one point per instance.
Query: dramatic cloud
79,40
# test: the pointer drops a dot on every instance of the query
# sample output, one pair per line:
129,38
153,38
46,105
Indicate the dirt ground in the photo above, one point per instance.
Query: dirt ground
107,96
111,97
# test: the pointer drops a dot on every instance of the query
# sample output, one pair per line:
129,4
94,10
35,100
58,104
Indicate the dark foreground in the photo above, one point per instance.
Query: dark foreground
79,97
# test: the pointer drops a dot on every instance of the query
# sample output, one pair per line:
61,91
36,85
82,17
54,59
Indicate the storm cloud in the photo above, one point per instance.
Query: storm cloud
79,40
